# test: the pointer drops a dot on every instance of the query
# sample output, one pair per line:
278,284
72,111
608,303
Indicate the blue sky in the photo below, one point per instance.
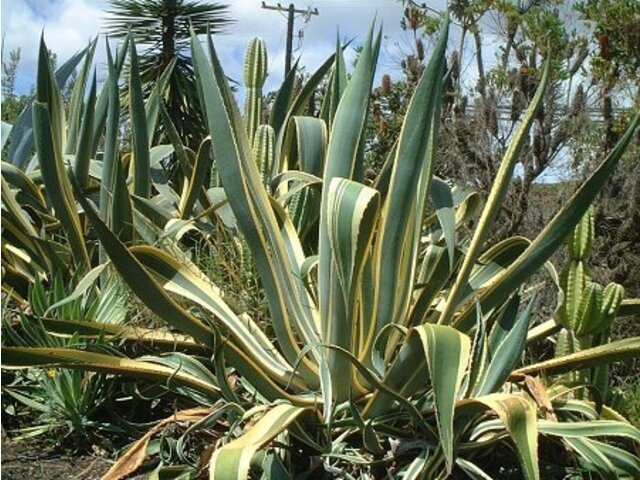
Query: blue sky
69,25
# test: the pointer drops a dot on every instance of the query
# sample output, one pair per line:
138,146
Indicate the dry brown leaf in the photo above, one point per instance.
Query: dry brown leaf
538,392
135,456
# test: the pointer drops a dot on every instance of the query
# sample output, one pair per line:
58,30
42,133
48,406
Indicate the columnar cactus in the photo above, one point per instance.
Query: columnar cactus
264,151
589,308
255,74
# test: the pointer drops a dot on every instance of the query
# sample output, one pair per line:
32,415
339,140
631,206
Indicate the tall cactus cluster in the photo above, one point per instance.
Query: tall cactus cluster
589,308
262,137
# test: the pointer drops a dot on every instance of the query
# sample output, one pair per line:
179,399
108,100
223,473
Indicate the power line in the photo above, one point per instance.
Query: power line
291,12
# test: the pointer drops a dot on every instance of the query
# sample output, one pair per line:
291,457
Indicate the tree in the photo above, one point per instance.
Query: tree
9,72
615,76
161,29
480,116
12,104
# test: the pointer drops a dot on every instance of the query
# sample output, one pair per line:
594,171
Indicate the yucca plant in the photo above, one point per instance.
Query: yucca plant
63,400
396,351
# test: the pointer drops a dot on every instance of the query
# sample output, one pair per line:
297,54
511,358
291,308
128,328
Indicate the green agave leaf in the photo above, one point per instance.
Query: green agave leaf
352,211
595,428
142,283
281,112
433,276
348,129
111,155
624,462
139,134
344,144
155,212
401,221
440,194
472,470
594,457
370,440
519,417
351,215
186,280
4,136
85,140
337,85
416,468
22,134
17,178
159,178
305,145
98,362
195,188
611,352
233,461
253,210
13,208
504,323
492,262
479,353
447,353
102,105
121,209
152,107
48,119
76,112
507,354
282,102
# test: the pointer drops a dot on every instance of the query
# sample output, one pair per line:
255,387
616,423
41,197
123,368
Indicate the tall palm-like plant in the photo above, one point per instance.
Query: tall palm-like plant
161,29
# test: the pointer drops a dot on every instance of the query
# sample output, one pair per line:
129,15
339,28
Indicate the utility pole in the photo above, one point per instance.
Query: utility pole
291,12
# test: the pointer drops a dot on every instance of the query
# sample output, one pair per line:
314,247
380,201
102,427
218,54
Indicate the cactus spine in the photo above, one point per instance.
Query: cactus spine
255,74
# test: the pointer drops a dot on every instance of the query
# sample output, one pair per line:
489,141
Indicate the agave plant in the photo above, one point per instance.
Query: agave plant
396,350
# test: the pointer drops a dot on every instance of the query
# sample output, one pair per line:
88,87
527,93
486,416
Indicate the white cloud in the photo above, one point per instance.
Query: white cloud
68,26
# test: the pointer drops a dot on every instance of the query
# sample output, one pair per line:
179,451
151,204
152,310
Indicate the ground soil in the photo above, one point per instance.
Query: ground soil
37,461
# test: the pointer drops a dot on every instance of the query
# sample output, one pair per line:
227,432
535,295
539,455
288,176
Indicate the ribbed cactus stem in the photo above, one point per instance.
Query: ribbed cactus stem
255,74
581,241
589,308
566,344
264,151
